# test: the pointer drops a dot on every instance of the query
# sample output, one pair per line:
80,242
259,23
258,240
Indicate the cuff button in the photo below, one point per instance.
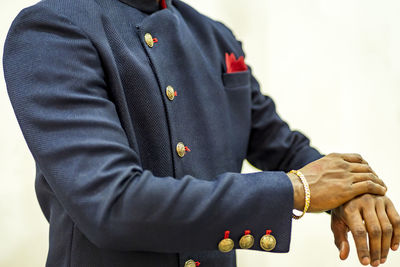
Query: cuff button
268,241
226,244
246,241
190,263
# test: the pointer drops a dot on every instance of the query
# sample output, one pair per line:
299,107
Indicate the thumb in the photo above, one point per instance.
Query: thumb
344,249
340,230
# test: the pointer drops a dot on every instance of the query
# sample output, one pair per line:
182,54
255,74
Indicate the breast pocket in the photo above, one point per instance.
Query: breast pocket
236,80
237,88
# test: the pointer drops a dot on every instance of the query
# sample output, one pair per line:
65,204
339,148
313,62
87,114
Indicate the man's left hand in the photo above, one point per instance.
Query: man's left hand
372,215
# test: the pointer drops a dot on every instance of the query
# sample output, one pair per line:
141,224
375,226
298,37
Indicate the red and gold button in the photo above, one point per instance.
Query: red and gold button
246,241
226,244
268,241
148,38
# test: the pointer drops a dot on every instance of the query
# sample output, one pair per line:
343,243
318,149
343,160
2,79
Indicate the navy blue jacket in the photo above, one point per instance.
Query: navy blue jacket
90,96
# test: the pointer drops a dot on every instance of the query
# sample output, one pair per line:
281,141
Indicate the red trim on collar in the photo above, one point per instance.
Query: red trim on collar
163,4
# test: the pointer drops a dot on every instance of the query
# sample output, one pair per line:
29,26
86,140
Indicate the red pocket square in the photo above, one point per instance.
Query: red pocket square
233,64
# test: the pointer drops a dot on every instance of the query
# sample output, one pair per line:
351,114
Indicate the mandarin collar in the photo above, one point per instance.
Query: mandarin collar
148,6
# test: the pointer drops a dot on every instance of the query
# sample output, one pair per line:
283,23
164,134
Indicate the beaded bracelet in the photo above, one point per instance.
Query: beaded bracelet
306,193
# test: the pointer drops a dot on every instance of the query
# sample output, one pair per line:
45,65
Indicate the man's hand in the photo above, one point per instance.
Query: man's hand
372,215
334,180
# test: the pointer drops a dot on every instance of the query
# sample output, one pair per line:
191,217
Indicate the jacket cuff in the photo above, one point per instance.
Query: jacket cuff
274,210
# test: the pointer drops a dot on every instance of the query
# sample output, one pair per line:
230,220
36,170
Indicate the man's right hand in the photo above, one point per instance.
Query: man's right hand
334,180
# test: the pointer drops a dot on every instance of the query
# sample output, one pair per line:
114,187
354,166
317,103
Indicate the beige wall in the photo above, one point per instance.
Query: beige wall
331,66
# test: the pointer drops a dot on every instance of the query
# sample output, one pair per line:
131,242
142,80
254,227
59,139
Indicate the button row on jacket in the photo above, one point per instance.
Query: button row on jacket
267,242
170,93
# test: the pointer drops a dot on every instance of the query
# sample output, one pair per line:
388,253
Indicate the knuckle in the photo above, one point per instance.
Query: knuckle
396,221
372,176
348,211
358,157
367,198
375,231
381,201
388,202
387,230
346,166
341,164
350,208
396,224
359,232
370,186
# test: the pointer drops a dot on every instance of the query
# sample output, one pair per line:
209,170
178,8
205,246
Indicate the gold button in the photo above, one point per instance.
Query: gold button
226,245
170,92
149,40
190,263
268,242
246,241
180,149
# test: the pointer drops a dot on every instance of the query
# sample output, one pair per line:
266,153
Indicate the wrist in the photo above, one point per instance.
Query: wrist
298,192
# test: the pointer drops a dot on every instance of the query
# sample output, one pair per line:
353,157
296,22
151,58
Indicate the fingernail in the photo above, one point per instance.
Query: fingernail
375,263
383,260
395,247
365,261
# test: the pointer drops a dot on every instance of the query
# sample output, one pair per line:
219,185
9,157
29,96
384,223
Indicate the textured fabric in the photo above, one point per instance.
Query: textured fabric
89,95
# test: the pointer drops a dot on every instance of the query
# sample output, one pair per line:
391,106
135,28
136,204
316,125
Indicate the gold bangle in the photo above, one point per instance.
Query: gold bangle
306,193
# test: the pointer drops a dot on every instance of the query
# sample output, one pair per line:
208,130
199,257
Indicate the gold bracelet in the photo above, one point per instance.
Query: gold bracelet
306,193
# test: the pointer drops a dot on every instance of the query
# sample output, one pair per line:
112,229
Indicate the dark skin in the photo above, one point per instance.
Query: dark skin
370,215
334,180
346,184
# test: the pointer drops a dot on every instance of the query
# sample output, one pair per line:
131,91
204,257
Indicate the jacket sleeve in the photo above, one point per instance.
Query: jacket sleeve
58,90
272,145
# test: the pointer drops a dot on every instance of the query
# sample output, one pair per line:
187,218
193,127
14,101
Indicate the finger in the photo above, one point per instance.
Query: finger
386,227
360,167
359,233
342,244
340,230
361,177
374,234
394,218
353,157
367,187
365,168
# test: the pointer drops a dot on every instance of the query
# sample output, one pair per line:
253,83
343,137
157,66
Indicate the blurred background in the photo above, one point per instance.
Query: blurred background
333,69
